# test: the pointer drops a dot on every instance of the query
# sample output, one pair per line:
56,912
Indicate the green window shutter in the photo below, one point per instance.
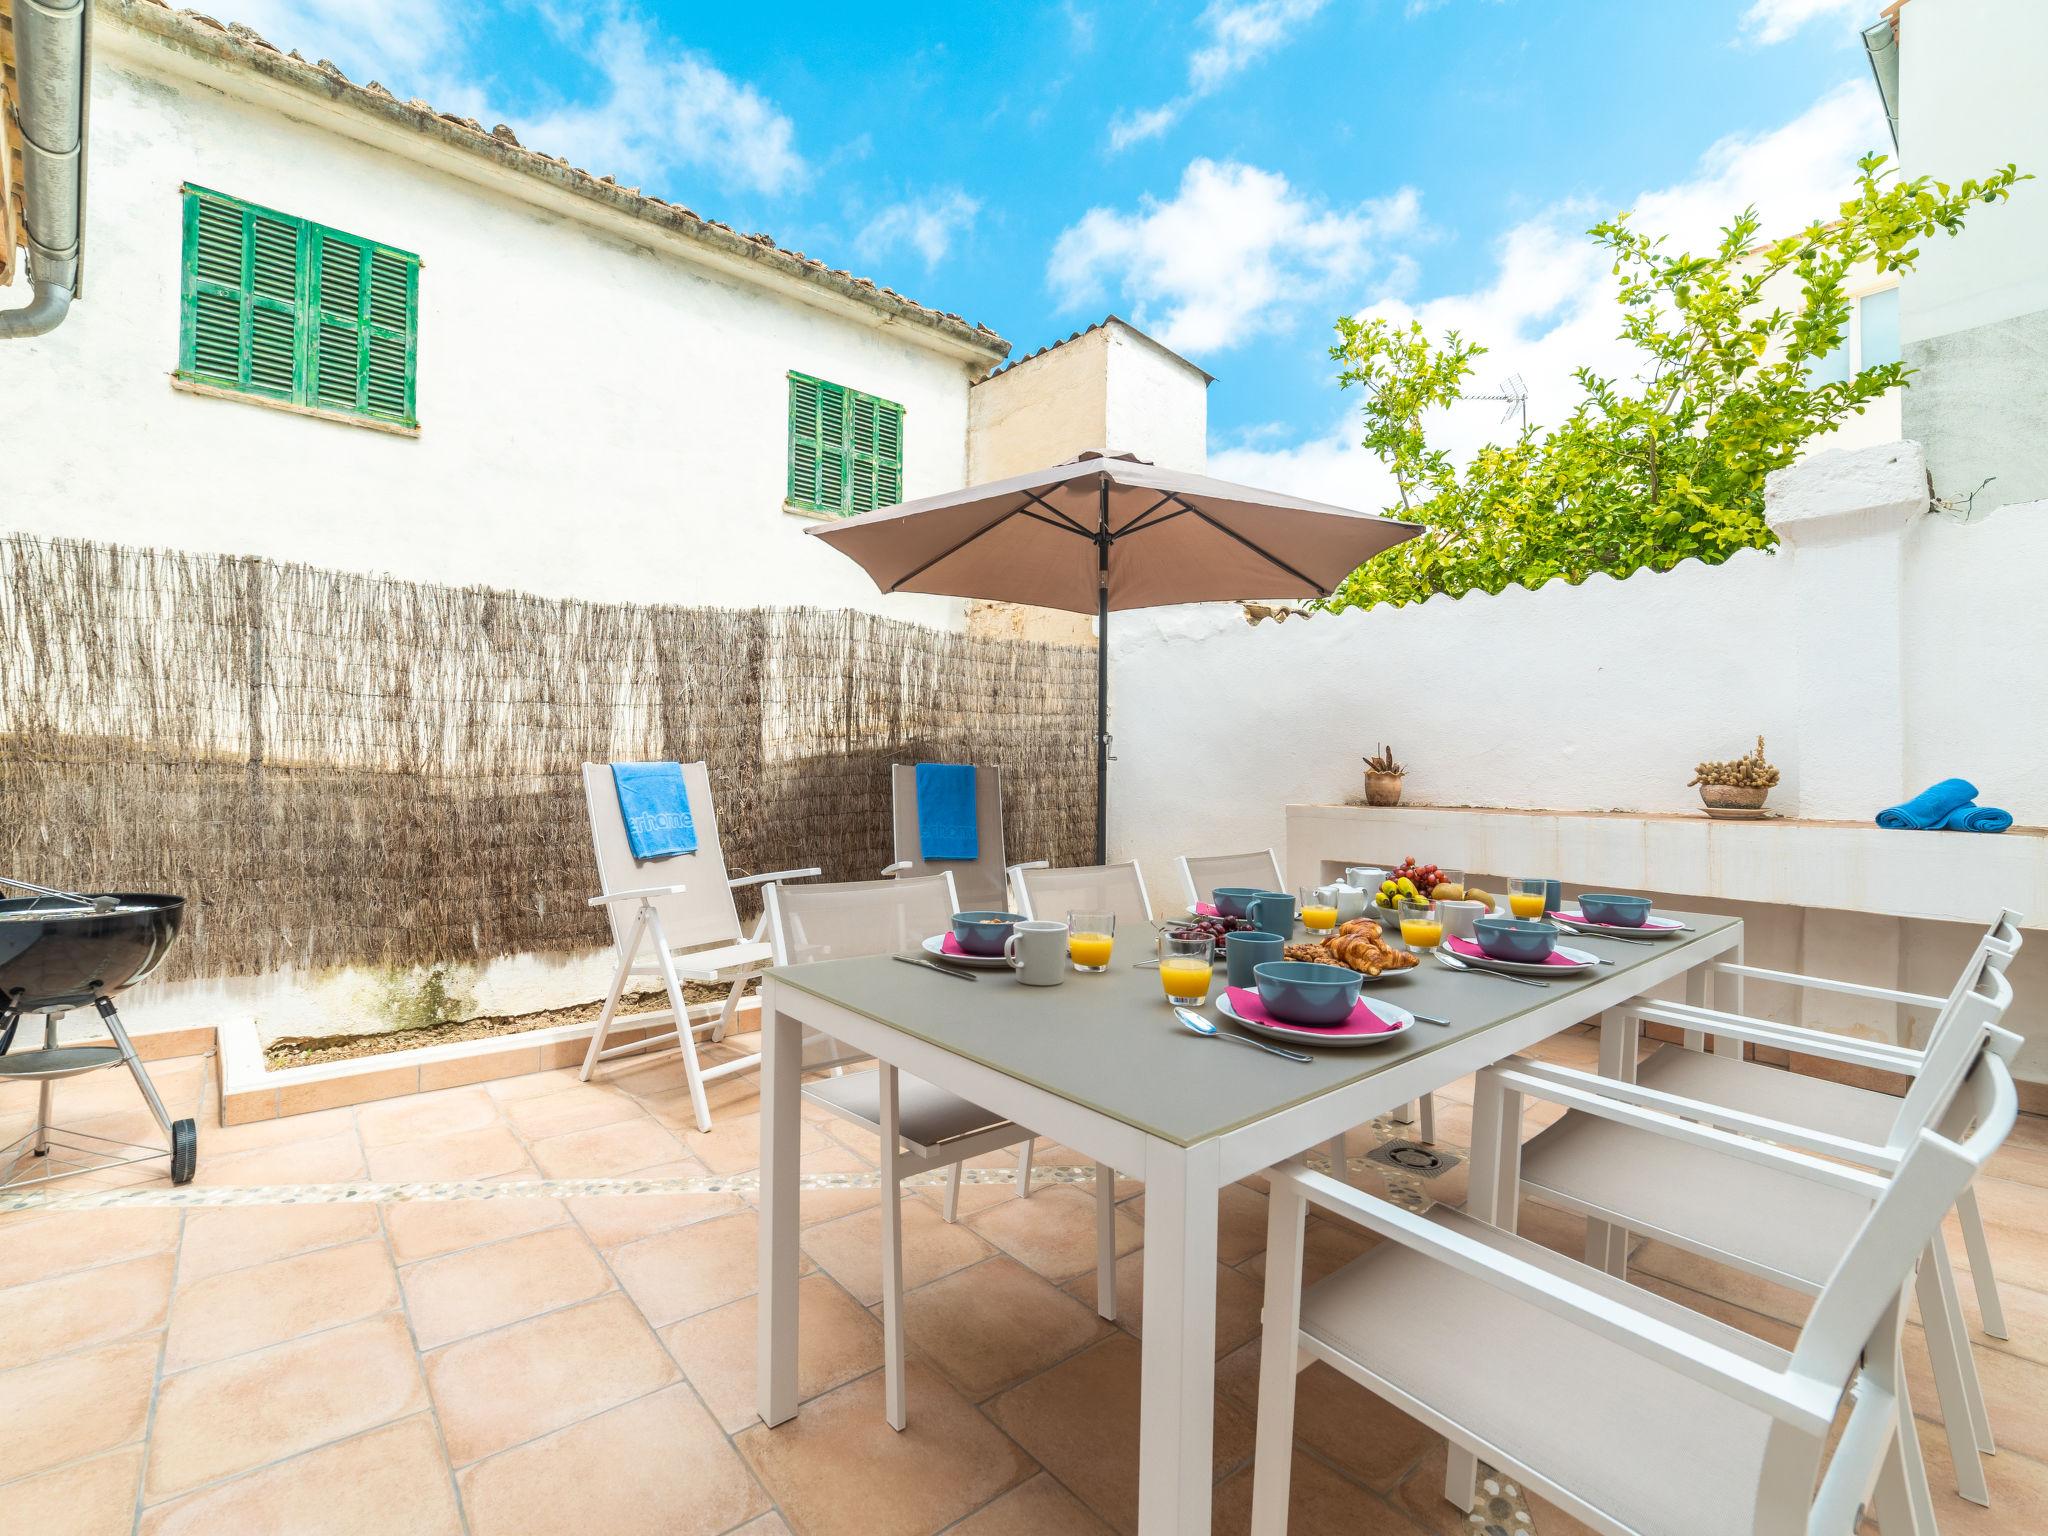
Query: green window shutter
845,448
280,306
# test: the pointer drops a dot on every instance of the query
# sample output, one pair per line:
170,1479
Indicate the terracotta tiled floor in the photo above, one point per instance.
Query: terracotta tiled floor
532,1365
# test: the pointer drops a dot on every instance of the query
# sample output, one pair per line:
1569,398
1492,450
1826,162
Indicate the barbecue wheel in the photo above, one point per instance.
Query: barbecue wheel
184,1151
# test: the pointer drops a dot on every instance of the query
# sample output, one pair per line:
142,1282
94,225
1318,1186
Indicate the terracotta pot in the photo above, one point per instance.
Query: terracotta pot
1734,797
1382,788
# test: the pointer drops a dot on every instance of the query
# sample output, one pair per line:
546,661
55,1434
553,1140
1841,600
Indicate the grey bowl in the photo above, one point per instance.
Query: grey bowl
1621,911
1515,938
985,933
1229,900
1303,992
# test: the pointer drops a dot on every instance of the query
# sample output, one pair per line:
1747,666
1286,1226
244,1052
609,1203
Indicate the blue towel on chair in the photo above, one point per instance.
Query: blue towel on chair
656,808
947,827
1976,818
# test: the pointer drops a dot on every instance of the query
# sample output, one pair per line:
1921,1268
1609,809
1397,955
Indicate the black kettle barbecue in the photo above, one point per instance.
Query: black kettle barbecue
58,951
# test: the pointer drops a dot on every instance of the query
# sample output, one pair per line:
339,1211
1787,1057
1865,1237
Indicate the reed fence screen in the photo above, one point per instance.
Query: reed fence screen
342,769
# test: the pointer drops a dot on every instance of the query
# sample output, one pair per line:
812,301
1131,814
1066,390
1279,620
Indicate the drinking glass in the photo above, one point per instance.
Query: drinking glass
1186,967
1421,927
1318,907
1090,936
1527,898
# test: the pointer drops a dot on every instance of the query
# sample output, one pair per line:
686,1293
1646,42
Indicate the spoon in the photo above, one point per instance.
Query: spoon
1202,1026
1454,963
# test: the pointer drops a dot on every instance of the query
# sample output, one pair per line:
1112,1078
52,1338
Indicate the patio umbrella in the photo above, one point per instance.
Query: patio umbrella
1108,531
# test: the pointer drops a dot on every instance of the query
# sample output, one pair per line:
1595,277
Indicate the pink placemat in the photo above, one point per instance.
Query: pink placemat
1465,949
1363,1020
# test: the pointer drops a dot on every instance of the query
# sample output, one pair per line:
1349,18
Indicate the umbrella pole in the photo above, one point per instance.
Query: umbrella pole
1102,679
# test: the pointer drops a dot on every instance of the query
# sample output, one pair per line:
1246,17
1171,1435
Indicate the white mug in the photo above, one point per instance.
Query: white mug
1037,952
1459,916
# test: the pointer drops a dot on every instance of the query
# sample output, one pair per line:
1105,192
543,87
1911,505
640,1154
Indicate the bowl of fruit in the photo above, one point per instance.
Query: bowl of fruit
1216,929
1424,882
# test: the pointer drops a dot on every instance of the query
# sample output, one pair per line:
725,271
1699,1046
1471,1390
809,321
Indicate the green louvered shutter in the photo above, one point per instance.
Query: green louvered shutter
274,256
888,453
804,446
845,448
338,321
210,332
388,335
282,307
862,413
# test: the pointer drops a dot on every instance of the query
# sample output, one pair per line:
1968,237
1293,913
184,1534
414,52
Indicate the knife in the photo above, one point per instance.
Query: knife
933,965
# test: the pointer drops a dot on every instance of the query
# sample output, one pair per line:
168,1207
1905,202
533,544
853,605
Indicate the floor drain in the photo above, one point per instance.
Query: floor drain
1413,1157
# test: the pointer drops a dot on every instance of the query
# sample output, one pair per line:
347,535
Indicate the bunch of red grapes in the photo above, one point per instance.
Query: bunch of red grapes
1216,929
1427,877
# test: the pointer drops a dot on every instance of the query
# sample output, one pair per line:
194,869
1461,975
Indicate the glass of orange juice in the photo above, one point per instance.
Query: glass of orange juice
1318,908
1090,936
1421,927
1526,898
1186,967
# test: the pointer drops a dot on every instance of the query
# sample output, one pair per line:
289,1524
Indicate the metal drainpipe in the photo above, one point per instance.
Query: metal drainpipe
49,63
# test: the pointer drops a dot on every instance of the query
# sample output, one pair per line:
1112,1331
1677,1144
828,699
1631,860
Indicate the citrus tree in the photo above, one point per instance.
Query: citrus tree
1668,465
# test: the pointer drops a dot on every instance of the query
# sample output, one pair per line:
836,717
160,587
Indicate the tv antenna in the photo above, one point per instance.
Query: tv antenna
1515,394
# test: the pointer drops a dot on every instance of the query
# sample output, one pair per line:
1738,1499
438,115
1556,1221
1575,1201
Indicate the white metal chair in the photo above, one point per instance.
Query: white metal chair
1637,1415
920,1126
1201,873
982,885
1603,1161
681,908
1819,1104
1118,888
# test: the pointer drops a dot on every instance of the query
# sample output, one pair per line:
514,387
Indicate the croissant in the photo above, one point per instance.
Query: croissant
1368,952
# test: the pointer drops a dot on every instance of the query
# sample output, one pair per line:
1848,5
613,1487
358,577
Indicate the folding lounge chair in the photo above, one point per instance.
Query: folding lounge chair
680,910
920,1125
982,884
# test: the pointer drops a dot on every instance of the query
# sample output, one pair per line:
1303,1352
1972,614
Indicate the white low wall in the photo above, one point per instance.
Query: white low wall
1878,649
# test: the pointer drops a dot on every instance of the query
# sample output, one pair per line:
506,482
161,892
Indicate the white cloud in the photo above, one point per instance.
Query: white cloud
1236,35
664,108
926,224
367,38
1236,252
1549,307
1772,21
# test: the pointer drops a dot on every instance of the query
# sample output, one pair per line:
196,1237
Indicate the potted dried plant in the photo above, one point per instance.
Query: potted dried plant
1383,778
1741,784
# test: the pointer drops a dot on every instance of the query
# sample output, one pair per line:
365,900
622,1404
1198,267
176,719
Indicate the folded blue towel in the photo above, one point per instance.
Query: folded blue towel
1930,808
1976,818
947,827
656,808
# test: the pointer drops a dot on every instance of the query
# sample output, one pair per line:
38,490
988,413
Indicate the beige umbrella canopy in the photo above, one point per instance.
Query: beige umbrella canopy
1111,531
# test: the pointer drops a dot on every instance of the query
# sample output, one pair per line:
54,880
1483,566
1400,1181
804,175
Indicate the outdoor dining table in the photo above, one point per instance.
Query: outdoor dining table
1100,1064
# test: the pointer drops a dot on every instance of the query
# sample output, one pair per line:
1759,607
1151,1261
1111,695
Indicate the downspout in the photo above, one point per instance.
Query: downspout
49,66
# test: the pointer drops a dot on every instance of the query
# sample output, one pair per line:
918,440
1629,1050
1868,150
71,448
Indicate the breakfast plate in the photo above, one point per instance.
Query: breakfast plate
1652,927
1577,961
1302,1034
936,947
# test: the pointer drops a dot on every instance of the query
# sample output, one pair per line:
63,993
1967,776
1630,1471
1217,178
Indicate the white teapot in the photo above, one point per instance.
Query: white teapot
1355,892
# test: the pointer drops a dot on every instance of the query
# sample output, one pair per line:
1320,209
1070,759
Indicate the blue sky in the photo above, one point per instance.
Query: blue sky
1229,175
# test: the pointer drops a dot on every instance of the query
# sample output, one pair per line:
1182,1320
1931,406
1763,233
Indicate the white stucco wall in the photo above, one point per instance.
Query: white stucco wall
1158,402
601,418
1969,102
1878,650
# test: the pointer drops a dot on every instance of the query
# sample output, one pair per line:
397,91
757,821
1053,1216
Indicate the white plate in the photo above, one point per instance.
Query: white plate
1581,962
1653,927
1403,1022
935,947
